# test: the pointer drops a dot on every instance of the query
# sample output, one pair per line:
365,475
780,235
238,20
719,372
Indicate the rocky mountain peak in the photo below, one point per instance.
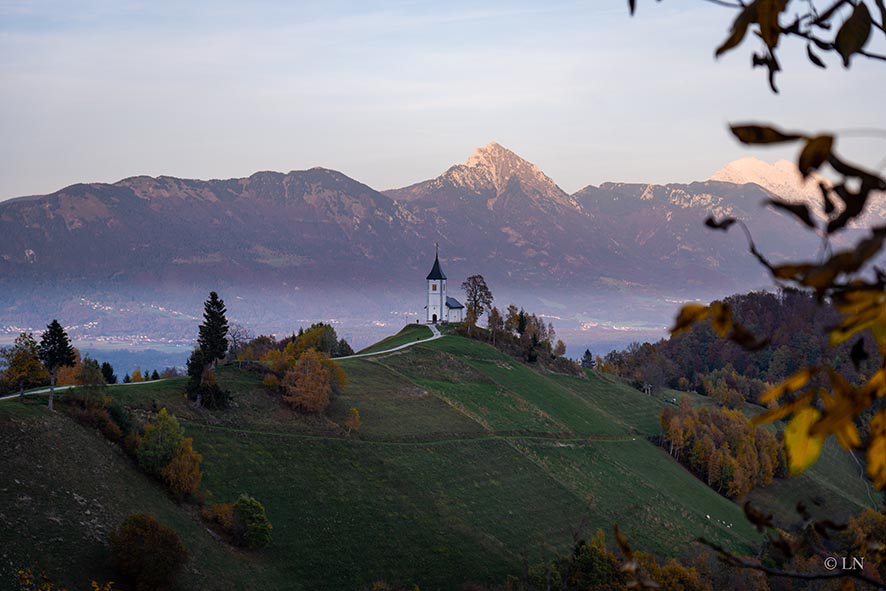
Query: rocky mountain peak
782,178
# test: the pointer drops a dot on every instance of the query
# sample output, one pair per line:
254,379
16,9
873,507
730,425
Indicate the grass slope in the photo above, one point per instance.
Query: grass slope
467,460
409,334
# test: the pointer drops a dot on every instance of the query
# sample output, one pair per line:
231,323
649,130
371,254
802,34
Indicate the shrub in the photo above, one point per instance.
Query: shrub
223,514
182,474
159,443
147,552
252,528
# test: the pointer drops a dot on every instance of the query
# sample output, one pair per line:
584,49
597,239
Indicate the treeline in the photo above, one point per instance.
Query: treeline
721,447
525,336
699,360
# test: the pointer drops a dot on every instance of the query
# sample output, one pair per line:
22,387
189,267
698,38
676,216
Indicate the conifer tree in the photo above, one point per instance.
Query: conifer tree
108,373
213,339
55,351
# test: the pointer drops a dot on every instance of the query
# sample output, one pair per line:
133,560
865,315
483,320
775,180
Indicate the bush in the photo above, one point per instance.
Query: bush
182,474
307,386
147,552
252,528
159,443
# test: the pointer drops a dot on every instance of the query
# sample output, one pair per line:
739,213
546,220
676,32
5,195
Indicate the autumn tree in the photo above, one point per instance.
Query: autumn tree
22,360
137,375
353,422
478,298
495,323
182,474
147,552
307,386
213,333
55,351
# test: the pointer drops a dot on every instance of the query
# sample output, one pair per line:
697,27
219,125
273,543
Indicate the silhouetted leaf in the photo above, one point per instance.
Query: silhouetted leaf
739,28
758,518
882,8
632,6
854,33
858,353
814,58
815,153
746,339
762,134
767,17
799,210
721,225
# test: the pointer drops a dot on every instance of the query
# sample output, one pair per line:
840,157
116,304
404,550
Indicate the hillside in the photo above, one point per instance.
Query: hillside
467,460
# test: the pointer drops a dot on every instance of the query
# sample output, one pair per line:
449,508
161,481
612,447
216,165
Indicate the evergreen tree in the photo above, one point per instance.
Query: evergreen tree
108,373
587,360
55,351
127,379
155,375
213,339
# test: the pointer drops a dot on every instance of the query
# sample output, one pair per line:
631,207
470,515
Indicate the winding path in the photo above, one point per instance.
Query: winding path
435,334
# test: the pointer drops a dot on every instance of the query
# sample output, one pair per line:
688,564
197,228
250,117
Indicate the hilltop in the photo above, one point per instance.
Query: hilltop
467,461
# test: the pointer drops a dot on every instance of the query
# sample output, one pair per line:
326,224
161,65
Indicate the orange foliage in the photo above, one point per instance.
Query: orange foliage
307,386
182,474
354,422
67,375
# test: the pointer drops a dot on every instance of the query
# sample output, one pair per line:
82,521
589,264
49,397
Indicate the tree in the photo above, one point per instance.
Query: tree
238,335
182,474
353,422
159,443
587,360
127,379
512,319
148,552
495,323
477,295
55,351
559,349
108,373
23,367
212,339
252,526
307,386
137,375
155,375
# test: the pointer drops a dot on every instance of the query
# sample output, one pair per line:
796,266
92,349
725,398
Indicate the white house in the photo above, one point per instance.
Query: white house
441,308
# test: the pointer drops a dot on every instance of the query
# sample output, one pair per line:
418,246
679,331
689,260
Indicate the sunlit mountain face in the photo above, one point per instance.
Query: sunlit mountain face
127,264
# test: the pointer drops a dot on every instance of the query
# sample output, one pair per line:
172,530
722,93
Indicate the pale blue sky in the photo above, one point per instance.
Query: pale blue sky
392,93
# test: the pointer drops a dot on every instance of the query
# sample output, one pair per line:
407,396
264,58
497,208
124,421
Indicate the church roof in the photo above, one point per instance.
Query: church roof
436,271
453,303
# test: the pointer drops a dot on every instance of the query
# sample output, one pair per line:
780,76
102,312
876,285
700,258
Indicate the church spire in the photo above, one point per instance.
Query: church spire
436,272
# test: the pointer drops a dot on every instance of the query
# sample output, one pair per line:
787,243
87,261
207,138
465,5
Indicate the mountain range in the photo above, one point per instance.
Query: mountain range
285,241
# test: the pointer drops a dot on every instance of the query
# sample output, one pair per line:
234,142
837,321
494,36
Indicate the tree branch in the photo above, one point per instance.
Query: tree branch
740,562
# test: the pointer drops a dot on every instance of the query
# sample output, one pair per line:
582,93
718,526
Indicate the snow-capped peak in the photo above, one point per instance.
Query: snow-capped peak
782,178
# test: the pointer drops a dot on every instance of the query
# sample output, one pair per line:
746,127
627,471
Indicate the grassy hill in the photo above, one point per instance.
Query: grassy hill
467,461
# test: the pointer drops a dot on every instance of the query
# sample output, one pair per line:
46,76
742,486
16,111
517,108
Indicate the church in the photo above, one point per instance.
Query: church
441,308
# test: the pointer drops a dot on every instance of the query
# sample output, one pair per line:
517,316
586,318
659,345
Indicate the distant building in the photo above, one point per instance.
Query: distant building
441,308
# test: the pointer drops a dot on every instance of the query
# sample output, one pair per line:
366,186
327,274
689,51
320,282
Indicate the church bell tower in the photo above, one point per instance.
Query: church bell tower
436,292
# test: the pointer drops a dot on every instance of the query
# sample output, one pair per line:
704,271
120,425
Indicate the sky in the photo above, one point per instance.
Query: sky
392,93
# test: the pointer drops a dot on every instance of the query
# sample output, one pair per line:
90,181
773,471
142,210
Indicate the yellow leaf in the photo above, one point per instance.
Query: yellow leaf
803,449
877,450
689,315
839,406
792,384
721,319
780,412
